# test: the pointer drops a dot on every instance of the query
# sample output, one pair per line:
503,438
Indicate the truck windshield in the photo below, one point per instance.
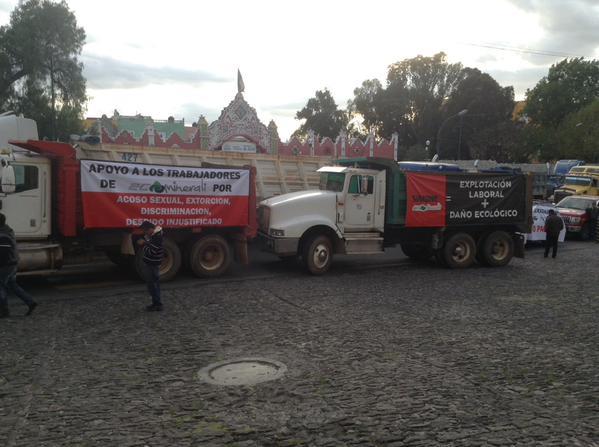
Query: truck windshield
576,203
332,181
578,181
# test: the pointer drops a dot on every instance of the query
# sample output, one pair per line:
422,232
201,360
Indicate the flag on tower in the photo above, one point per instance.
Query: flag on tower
240,84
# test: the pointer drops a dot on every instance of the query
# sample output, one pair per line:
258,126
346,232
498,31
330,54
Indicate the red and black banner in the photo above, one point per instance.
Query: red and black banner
427,200
464,199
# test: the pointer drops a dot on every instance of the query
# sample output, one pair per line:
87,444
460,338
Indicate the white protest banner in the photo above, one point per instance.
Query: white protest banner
121,195
539,214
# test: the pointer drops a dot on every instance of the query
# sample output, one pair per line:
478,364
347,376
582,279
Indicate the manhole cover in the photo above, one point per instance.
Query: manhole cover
247,371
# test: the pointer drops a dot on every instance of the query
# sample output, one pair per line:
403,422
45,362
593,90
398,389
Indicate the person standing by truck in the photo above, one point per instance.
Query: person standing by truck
153,253
553,227
8,270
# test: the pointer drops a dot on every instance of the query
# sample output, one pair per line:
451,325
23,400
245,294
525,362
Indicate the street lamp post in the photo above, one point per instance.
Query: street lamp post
461,114
460,137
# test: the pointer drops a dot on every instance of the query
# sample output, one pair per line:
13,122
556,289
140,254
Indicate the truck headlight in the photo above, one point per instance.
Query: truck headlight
277,233
575,220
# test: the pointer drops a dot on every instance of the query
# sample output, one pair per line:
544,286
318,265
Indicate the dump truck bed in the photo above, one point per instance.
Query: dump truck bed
444,199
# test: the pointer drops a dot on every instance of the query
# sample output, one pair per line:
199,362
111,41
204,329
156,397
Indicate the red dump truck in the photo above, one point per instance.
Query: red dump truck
65,206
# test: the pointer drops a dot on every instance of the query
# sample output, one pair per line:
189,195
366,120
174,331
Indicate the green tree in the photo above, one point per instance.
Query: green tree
502,142
410,103
540,143
578,134
383,110
414,153
489,105
422,92
366,103
322,116
40,72
570,85
427,82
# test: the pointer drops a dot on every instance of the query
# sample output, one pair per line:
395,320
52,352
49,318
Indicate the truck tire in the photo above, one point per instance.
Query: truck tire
171,264
417,252
497,249
459,251
317,254
210,256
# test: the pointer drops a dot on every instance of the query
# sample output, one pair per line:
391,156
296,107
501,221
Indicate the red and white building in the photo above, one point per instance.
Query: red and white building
238,129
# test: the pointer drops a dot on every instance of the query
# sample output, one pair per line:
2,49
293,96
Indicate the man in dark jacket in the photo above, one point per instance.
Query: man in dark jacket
553,227
153,253
9,259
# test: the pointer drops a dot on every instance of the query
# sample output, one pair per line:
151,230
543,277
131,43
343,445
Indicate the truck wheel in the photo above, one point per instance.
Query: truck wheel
417,252
317,254
585,232
210,256
171,264
497,249
459,251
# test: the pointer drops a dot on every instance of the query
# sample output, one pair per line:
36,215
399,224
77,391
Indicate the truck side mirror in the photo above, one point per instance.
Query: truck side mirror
364,185
7,178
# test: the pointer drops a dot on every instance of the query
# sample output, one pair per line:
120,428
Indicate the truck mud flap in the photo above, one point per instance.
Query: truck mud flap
240,243
518,245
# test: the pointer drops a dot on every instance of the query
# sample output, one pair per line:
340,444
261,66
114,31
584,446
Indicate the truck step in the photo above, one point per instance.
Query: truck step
37,245
363,235
363,245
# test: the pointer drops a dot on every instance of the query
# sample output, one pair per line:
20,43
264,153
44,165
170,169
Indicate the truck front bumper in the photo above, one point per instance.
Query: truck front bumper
281,246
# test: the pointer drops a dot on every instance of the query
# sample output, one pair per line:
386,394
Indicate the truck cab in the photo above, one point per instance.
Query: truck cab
346,215
581,180
25,195
361,201
26,203
25,178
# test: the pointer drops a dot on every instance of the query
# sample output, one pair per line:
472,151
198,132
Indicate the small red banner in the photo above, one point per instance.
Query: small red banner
426,201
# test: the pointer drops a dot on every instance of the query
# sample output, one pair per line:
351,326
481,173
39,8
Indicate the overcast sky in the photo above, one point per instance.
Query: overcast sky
180,58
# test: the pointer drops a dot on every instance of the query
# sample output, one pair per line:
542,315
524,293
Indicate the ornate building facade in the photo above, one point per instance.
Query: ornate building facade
237,129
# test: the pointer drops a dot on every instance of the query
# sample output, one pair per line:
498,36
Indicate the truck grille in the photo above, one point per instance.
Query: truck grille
570,220
263,218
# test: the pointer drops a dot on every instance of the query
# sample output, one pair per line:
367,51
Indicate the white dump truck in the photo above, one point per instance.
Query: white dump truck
365,205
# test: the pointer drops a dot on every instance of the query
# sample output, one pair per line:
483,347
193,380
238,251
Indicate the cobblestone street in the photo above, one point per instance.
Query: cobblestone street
403,354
